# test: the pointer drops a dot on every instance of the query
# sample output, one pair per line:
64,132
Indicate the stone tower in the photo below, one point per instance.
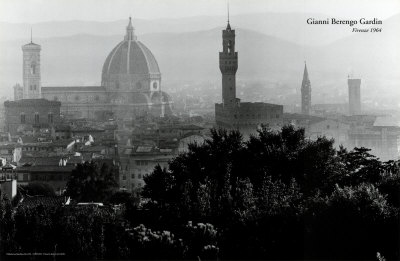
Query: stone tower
354,96
228,64
305,93
31,71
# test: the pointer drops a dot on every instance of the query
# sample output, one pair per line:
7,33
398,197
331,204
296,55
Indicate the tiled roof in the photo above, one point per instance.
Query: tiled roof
43,169
62,127
386,122
29,139
34,201
182,127
86,129
31,102
74,89
40,161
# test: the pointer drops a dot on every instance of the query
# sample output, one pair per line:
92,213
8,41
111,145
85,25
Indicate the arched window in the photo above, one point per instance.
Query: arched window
155,85
230,47
138,85
33,68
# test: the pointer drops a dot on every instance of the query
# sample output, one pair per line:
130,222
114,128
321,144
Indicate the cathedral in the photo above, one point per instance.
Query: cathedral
232,113
130,84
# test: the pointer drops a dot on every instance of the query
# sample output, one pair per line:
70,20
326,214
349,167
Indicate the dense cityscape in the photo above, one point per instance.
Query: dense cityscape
131,170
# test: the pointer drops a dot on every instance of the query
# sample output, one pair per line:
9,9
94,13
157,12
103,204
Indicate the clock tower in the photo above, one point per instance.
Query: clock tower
228,64
31,71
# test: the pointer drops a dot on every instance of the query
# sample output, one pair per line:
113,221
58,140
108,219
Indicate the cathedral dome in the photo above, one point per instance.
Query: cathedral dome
129,64
130,57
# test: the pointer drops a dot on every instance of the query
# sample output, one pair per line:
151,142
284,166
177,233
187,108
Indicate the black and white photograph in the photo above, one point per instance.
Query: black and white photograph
200,130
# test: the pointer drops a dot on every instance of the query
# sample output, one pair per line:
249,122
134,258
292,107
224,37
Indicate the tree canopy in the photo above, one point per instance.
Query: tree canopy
91,183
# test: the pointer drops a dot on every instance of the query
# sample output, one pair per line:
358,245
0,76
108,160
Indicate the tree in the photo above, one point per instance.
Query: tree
38,189
89,183
6,225
354,222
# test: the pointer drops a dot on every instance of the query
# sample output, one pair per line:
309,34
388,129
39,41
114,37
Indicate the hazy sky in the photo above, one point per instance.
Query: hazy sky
33,11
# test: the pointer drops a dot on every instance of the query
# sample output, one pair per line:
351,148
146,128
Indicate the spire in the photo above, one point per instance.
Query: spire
305,75
31,34
130,35
228,27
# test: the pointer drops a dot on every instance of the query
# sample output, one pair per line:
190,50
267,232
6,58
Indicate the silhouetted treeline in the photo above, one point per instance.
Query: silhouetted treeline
278,195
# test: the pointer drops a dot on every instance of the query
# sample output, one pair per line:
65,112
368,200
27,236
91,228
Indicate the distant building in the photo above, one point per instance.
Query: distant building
139,161
305,93
37,113
8,182
231,113
18,92
130,84
382,137
354,96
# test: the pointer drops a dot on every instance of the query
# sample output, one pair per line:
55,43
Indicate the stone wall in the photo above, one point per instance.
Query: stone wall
36,113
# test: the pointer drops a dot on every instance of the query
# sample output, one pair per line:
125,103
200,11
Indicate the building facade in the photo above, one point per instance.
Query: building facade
32,113
232,113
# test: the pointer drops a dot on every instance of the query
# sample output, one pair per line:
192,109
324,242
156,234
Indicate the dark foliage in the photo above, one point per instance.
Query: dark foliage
91,183
277,196
38,189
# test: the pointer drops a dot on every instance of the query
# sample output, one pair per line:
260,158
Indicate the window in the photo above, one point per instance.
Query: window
140,185
132,176
34,87
22,118
36,118
50,117
55,98
117,85
123,177
77,98
97,98
155,85
33,68
139,176
230,47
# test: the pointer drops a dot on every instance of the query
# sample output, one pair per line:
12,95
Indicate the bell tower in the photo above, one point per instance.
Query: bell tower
305,93
31,71
228,64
